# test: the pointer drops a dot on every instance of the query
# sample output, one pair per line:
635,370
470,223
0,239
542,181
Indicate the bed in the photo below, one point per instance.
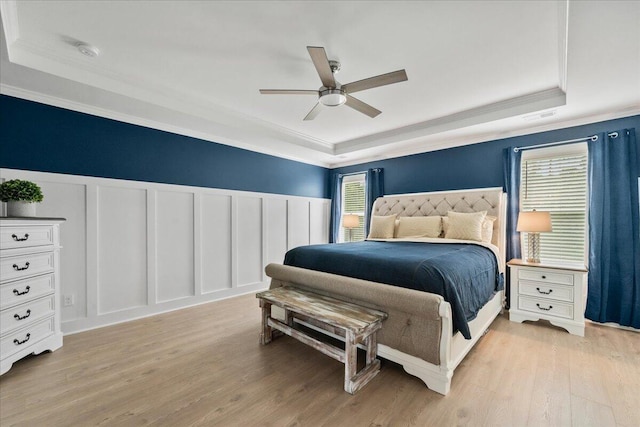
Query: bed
422,333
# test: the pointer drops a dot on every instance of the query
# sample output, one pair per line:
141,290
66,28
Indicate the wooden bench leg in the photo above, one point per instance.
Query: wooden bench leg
355,381
350,362
267,333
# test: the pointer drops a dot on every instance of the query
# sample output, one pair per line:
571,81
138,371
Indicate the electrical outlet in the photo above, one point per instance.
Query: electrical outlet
67,300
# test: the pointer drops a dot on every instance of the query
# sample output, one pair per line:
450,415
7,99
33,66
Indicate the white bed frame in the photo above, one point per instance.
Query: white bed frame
453,348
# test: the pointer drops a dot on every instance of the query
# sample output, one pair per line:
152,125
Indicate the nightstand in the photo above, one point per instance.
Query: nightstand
554,292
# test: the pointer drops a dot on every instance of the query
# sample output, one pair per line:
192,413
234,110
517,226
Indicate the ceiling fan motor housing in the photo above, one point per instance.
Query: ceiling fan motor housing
332,97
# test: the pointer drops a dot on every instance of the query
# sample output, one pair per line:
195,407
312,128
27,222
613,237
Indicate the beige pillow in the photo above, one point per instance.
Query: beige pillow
419,226
487,228
465,226
382,227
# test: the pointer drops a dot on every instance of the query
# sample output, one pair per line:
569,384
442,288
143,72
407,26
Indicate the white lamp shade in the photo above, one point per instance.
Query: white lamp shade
534,222
350,221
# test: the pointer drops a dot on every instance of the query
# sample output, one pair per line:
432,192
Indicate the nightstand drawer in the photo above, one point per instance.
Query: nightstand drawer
26,290
25,265
23,338
26,237
25,314
546,290
540,275
546,307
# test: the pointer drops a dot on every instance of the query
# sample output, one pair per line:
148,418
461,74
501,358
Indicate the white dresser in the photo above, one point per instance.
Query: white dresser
29,288
553,292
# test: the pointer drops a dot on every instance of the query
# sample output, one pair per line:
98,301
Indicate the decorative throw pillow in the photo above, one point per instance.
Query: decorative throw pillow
487,228
465,226
382,227
419,226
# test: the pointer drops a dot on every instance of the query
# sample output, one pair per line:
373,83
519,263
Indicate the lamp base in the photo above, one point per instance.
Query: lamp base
533,248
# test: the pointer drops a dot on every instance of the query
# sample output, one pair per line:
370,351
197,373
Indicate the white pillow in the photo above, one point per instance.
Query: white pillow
382,227
465,226
419,226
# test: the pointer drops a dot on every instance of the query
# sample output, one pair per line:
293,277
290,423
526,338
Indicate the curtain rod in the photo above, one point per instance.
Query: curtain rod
551,144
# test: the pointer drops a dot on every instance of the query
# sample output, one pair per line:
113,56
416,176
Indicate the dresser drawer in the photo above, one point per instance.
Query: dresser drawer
25,337
546,290
546,307
545,276
26,290
26,314
26,237
12,268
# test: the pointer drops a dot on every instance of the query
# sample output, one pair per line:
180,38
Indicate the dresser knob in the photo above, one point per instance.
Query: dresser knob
544,277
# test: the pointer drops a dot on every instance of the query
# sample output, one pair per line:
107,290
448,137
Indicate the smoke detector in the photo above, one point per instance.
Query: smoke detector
88,50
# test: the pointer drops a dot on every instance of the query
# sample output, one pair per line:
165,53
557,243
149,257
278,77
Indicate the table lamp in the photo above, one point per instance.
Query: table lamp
534,223
350,221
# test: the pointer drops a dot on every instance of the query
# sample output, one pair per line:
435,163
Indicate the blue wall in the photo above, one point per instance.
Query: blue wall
42,138
472,166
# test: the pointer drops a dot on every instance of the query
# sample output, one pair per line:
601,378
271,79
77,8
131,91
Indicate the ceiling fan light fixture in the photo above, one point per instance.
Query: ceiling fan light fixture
332,97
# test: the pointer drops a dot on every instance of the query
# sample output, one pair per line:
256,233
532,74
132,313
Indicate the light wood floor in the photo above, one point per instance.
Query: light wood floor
204,366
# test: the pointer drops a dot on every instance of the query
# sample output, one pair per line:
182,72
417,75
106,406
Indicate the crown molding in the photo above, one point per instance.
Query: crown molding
89,72
421,146
537,101
9,12
139,121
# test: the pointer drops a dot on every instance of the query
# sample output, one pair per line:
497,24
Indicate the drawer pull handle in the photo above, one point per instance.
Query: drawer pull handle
18,342
20,239
544,277
543,292
18,317
26,291
16,268
545,309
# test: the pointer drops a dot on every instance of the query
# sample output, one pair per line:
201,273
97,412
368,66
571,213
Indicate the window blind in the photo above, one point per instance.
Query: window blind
353,201
557,184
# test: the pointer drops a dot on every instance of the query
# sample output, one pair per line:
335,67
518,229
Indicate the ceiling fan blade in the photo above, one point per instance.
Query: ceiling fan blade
314,112
319,58
371,82
287,92
364,108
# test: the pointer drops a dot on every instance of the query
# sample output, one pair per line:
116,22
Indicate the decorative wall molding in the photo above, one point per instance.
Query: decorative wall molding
133,249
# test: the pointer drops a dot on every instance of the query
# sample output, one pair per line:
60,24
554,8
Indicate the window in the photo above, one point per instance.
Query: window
353,202
554,179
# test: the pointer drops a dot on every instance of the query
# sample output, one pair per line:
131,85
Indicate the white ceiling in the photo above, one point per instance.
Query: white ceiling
475,68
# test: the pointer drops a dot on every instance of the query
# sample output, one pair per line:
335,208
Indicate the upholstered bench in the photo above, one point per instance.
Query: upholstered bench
358,325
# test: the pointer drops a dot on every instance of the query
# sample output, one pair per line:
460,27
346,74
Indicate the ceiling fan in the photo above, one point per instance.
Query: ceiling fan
332,93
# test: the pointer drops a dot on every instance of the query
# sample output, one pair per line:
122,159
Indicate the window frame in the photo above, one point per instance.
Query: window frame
352,177
573,149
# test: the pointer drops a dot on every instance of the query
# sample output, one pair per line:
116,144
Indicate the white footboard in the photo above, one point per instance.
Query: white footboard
452,348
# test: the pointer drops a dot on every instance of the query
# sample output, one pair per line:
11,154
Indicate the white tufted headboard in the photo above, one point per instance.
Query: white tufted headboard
492,200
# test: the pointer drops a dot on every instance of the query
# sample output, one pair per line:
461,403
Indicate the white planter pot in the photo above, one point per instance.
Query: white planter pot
21,209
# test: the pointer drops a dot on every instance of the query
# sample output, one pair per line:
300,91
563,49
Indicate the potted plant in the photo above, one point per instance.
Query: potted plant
21,197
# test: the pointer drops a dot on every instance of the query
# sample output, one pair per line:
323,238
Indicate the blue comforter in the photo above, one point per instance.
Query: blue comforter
466,275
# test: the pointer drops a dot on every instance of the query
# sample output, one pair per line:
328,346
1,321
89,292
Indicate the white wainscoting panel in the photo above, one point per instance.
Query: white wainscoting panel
276,230
174,245
215,236
249,240
318,221
122,248
298,224
70,199
133,249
